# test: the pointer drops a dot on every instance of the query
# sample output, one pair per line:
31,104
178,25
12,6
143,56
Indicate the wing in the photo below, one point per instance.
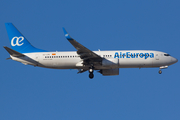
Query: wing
88,56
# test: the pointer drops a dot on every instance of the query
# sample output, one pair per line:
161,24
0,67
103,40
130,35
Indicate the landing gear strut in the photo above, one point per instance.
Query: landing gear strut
91,70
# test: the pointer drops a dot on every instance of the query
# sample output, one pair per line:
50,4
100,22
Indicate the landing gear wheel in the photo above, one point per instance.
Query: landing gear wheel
91,75
160,72
91,70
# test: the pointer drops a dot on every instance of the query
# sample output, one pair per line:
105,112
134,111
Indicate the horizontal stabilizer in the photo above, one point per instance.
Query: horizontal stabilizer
13,52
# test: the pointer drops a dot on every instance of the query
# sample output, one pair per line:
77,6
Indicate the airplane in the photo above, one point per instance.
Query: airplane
105,62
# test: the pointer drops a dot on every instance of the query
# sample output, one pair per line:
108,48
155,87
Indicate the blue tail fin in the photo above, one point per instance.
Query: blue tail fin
18,42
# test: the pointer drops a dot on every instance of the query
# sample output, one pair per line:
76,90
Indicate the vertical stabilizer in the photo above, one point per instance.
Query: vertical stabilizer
18,42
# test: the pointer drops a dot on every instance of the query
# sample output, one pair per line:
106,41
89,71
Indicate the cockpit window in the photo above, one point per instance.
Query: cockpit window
166,54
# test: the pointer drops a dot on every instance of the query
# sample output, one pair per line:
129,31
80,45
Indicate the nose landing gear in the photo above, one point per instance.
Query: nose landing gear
162,67
160,71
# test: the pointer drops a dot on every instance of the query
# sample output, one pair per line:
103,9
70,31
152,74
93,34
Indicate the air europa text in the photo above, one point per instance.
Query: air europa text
133,55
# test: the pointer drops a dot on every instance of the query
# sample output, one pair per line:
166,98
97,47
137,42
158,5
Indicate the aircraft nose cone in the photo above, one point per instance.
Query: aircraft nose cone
174,60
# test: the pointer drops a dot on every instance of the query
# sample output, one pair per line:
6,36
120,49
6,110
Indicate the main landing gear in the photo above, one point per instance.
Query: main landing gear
91,75
91,70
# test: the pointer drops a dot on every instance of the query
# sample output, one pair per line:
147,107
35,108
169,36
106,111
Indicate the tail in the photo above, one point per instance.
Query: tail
18,42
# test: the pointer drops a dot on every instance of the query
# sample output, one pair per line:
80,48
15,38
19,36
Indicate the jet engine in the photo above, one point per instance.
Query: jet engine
108,72
112,63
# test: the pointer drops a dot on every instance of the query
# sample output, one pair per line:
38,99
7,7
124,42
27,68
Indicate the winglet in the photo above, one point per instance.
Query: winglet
68,37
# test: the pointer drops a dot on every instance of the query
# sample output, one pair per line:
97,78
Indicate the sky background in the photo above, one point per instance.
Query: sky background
33,93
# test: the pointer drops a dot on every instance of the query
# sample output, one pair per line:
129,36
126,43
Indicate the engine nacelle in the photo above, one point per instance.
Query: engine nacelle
107,72
113,62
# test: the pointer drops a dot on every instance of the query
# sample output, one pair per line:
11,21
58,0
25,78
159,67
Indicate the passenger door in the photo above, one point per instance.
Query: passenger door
37,57
157,56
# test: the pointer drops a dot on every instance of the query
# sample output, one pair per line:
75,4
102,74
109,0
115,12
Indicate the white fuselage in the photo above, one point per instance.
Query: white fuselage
106,62
112,59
